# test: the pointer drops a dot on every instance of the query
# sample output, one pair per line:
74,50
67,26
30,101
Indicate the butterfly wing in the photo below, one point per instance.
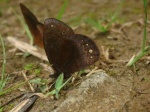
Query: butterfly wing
57,47
87,50
66,51
84,53
35,27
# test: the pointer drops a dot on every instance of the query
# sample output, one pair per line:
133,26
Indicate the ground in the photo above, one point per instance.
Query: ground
123,41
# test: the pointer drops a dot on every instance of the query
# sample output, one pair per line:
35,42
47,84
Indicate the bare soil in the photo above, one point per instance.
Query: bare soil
122,45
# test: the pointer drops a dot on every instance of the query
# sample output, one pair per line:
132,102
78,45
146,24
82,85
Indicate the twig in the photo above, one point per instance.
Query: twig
95,70
26,79
47,68
25,47
25,104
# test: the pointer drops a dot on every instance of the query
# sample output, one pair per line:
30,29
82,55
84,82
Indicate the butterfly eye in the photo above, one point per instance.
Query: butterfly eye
63,32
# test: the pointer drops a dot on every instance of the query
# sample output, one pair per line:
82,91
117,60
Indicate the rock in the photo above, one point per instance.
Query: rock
98,93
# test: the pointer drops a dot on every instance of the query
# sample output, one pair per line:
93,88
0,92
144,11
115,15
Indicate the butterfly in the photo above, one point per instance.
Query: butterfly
66,51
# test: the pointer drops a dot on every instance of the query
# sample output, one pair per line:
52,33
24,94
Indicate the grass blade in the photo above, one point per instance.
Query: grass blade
3,80
62,10
59,81
145,25
96,24
144,49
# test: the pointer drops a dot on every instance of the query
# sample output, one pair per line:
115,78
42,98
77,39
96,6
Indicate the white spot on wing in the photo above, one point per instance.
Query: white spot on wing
90,51
52,25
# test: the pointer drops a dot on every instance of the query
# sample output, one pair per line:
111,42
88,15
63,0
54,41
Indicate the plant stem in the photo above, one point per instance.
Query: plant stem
12,88
144,49
136,58
62,10
4,64
145,22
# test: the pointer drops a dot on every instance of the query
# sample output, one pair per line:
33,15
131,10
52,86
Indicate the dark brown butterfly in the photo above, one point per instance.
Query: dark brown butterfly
66,51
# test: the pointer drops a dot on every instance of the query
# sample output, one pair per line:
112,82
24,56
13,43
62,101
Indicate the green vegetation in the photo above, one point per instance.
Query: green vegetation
43,85
144,49
58,86
104,25
8,90
5,0
3,79
28,66
62,10
32,69
75,21
1,109
100,24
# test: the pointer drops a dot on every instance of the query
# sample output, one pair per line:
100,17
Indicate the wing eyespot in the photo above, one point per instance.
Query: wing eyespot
63,32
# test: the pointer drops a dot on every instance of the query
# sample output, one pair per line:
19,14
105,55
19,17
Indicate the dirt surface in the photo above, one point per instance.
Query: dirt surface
122,41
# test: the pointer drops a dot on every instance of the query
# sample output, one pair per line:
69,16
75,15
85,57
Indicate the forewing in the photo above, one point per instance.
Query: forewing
35,27
57,46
